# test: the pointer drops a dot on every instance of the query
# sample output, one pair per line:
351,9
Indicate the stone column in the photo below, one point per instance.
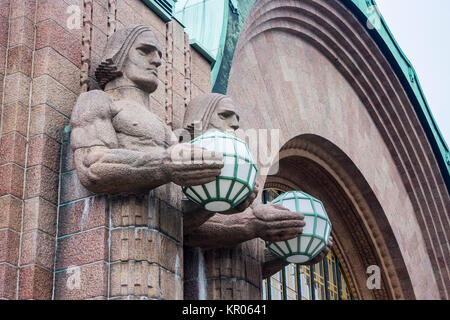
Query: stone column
122,247
224,274
13,126
119,247
58,240
41,85
146,258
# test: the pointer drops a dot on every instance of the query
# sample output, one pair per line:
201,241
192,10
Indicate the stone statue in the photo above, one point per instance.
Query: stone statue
265,221
119,145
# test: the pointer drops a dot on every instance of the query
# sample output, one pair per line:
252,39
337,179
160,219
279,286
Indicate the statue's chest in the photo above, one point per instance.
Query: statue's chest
135,123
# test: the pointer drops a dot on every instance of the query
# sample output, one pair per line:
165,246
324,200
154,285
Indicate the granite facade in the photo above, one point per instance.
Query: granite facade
60,241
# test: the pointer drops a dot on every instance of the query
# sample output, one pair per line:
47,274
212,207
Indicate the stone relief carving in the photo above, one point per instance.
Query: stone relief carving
119,145
250,220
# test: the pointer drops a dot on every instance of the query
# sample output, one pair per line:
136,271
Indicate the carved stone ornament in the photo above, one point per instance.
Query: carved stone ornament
120,146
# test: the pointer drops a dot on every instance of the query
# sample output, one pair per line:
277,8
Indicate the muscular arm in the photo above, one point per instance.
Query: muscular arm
119,171
269,222
221,231
100,164
104,167
194,216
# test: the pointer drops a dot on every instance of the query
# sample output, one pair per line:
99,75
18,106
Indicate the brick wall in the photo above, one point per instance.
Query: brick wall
224,274
32,119
52,230
135,242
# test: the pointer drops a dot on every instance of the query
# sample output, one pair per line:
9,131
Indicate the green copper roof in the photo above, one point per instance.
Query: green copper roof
206,23
163,8
366,10
238,12
214,27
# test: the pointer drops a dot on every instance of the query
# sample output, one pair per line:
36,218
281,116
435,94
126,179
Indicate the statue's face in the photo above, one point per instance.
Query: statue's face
224,116
141,65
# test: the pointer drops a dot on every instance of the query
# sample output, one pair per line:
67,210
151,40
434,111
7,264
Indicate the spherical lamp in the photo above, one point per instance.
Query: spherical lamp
237,178
315,233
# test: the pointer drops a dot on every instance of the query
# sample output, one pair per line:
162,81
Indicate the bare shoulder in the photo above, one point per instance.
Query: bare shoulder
91,121
90,106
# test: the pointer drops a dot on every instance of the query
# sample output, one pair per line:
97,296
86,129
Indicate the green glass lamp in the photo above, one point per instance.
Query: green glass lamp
315,233
237,178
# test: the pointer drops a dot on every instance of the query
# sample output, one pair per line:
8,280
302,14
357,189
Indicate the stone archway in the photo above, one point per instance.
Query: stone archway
316,166
310,67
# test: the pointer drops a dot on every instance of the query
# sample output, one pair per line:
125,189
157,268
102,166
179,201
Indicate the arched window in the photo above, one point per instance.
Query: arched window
322,281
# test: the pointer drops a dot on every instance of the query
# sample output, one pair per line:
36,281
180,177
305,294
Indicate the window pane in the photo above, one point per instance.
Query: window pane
264,290
319,282
291,282
332,279
292,292
276,288
305,282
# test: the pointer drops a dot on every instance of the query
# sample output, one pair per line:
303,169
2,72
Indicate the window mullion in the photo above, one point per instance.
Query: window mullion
313,286
338,275
299,280
283,283
325,277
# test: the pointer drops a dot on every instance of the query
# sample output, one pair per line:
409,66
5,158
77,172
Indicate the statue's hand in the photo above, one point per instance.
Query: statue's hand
190,165
322,254
273,222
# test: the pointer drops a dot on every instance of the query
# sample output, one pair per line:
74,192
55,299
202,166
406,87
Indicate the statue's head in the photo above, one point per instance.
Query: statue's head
134,54
211,111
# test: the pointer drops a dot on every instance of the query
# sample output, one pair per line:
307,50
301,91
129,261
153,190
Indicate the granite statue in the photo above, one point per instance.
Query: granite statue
120,146
250,221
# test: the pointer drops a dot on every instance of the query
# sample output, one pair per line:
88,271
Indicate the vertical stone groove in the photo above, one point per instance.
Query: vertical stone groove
29,102
2,98
169,74
187,70
112,13
86,44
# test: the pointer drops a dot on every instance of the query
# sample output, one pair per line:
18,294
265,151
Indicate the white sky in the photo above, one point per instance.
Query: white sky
422,29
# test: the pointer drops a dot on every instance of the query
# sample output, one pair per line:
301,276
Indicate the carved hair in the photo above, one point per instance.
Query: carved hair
200,110
116,51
